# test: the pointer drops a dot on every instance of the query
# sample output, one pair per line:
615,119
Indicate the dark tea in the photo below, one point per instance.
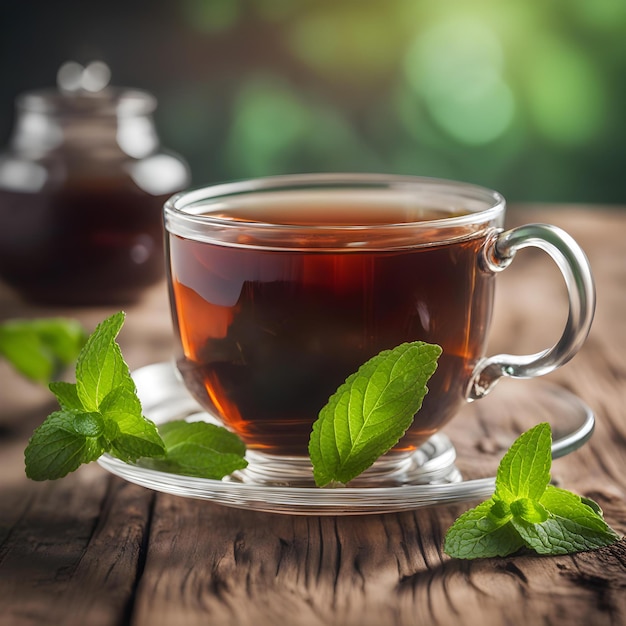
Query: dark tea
100,242
270,325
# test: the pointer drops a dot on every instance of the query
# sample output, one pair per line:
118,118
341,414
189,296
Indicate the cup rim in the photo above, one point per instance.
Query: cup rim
180,218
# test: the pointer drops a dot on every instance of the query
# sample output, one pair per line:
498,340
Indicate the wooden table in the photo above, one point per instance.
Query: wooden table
92,549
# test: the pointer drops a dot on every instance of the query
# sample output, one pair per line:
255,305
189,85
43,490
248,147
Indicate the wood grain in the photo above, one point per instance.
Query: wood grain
93,550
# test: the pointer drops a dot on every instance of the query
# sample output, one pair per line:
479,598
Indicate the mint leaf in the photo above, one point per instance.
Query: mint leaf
40,349
25,351
199,449
101,367
66,394
62,443
90,425
594,506
135,436
203,433
571,526
369,413
562,503
527,511
524,471
99,413
477,533
64,337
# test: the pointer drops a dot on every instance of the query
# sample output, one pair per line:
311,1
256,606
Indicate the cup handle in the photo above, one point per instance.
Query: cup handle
498,253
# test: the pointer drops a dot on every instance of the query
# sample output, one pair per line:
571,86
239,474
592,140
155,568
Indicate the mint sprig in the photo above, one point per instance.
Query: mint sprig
370,412
40,349
525,511
101,413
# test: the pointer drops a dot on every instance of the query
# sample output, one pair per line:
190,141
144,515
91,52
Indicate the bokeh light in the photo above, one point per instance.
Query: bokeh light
345,43
211,16
565,93
456,66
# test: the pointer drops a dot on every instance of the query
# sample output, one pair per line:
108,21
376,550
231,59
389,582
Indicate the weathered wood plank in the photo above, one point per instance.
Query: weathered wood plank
72,556
208,564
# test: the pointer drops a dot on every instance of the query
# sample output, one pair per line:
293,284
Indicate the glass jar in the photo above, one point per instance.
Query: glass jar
82,187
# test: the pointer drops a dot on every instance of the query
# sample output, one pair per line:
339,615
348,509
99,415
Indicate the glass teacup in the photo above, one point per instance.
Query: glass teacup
282,287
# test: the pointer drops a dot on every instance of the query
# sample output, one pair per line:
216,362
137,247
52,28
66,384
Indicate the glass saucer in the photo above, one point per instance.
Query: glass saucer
456,466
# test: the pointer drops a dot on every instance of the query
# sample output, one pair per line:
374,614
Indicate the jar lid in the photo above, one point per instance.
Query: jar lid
85,92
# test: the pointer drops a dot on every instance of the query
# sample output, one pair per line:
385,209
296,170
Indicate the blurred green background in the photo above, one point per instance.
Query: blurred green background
525,96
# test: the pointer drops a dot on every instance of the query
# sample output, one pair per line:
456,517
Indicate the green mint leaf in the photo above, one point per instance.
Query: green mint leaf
571,526
480,533
594,506
370,412
528,510
64,337
66,394
565,503
500,512
90,425
24,350
134,435
524,471
141,442
199,449
99,413
203,433
40,349
62,443
542,517
101,367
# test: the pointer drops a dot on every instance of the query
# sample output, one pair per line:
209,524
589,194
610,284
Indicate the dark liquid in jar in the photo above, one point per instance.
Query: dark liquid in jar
90,243
268,335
